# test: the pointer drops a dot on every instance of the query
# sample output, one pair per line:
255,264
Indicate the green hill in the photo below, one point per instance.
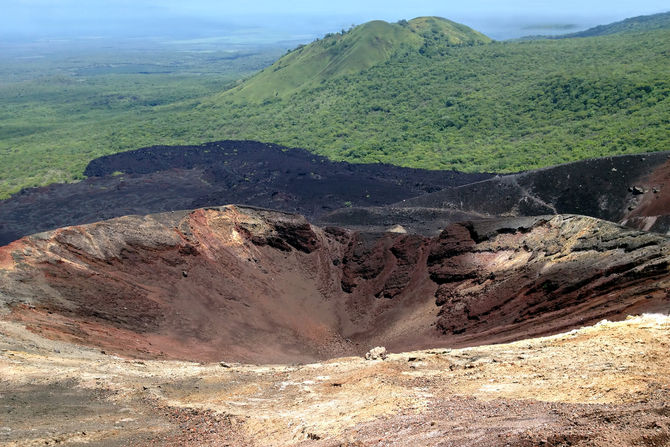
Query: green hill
350,52
633,24
502,107
424,93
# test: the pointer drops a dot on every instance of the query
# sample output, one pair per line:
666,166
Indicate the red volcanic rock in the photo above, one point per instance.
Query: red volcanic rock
651,211
547,275
253,285
449,258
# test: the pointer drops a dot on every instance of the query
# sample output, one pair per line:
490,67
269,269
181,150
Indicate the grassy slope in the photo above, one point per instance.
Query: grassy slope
347,53
335,55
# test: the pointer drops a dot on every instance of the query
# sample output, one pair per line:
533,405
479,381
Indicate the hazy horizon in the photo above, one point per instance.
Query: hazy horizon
270,22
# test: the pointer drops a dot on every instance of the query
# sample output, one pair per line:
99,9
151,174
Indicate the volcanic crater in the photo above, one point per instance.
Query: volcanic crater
251,285
240,325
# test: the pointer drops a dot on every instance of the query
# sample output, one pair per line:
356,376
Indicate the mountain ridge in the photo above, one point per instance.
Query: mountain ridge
641,23
501,107
632,24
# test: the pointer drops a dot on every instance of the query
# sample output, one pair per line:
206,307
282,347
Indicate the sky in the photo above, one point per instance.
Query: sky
499,18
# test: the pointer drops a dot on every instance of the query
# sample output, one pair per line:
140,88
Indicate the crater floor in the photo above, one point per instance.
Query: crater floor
604,385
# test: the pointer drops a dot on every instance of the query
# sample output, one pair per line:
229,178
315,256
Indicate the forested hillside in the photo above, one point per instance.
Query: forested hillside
504,106
350,52
634,24
426,93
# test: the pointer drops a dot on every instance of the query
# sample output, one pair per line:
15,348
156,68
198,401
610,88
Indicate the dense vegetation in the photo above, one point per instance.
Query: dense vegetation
634,24
61,107
501,107
427,101
350,52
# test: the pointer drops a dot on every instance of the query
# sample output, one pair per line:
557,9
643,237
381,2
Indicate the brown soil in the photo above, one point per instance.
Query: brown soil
193,328
651,209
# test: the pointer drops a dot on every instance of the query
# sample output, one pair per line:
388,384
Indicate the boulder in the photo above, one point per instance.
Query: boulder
378,353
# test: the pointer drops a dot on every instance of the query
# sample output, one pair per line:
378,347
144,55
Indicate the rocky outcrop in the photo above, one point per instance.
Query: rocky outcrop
248,284
543,275
378,353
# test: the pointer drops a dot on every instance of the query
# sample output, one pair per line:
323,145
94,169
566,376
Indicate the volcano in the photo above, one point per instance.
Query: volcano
251,285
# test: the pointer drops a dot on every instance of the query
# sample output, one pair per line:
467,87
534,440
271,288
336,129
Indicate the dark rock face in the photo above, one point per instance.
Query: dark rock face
618,189
381,265
287,232
426,221
248,284
158,179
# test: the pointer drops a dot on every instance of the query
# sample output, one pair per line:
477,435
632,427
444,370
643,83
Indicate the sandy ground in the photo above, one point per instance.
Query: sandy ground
603,385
